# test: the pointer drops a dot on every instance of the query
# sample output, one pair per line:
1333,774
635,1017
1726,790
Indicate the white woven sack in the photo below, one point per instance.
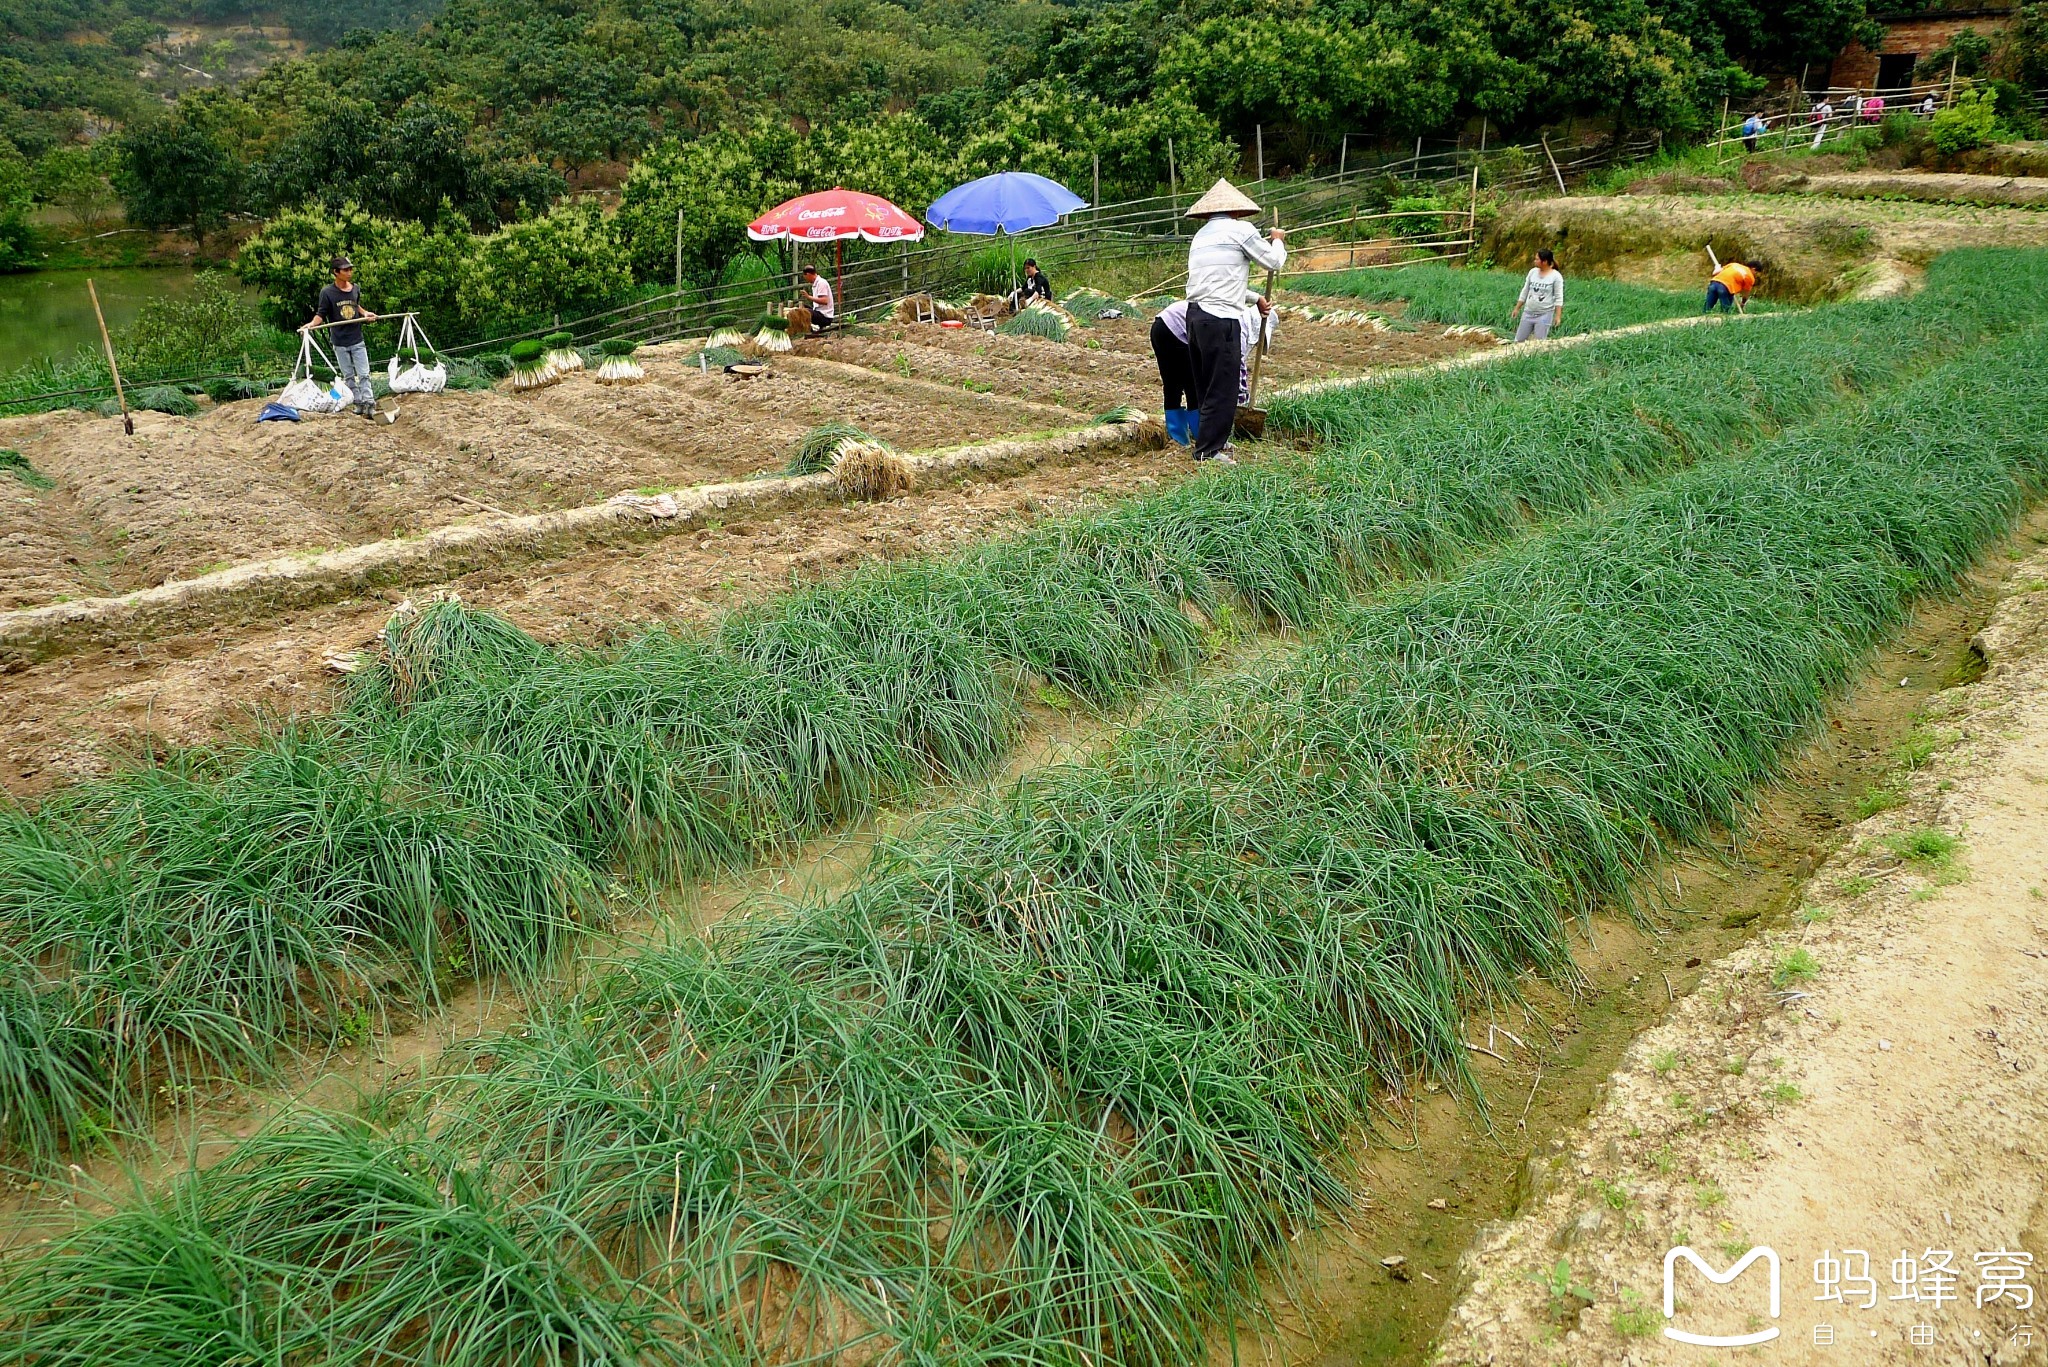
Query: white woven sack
307,394
416,377
301,393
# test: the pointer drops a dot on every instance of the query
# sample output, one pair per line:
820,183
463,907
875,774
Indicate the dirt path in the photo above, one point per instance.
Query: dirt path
1864,1084
1812,246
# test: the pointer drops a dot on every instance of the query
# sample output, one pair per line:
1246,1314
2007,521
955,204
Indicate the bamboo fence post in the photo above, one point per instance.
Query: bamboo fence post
1472,220
1095,160
1259,132
1343,157
127,419
1173,188
1721,132
1549,156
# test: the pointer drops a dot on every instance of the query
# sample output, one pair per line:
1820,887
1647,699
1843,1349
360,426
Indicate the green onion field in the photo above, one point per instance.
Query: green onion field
1062,1074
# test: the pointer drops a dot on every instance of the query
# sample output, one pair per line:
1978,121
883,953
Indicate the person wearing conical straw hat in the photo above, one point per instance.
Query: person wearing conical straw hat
1223,311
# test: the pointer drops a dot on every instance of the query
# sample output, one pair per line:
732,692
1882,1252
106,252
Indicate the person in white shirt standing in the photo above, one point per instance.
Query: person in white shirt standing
1542,299
1223,310
1822,114
821,301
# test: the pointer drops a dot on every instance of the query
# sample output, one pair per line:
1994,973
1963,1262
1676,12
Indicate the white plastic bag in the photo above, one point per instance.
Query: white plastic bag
408,371
307,394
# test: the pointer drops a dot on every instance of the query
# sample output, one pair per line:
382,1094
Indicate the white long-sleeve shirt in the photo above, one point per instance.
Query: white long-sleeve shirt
1220,267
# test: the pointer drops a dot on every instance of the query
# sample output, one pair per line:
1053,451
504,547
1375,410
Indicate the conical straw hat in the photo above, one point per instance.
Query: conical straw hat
1223,198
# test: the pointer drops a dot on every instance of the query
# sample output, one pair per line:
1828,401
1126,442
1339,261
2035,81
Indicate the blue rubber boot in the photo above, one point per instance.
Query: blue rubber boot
1191,423
1177,425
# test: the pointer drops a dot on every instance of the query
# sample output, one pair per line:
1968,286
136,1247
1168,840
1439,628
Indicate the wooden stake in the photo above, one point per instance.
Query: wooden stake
1472,220
1259,131
1553,164
1343,157
127,420
1172,187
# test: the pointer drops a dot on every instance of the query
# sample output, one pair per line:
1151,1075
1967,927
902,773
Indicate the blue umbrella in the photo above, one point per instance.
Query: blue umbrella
1006,202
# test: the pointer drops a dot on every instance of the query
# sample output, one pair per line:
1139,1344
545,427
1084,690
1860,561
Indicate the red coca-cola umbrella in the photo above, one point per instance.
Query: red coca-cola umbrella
833,216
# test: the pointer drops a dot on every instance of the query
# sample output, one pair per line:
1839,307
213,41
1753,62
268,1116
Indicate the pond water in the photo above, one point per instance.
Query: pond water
48,313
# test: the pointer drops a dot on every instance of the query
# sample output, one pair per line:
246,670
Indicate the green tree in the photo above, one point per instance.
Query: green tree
2025,54
400,265
17,239
74,178
565,262
1968,54
703,194
134,33
1969,123
174,172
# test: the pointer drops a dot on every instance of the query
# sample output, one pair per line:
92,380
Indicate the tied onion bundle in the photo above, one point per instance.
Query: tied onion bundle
773,333
531,368
618,365
562,353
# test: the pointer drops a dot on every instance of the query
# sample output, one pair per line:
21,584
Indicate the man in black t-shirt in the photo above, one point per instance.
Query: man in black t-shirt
341,304
1033,286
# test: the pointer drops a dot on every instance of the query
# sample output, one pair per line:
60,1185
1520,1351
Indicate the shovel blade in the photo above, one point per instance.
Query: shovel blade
1251,422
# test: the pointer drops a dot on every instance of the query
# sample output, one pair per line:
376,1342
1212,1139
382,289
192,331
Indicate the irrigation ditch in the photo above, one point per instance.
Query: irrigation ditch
1056,1189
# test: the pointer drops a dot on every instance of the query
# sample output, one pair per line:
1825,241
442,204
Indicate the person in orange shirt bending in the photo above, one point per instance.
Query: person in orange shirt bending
1731,286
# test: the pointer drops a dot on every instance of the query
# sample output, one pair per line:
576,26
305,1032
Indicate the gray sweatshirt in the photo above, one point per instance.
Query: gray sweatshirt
1542,293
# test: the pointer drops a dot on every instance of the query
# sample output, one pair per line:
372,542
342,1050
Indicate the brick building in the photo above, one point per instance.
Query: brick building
1907,39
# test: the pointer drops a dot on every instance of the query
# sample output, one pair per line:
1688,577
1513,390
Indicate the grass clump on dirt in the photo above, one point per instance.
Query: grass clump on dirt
16,464
156,399
1445,294
1089,305
715,357
820,447
1069,1066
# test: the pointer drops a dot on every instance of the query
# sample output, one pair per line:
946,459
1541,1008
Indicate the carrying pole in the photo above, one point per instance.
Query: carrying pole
127,420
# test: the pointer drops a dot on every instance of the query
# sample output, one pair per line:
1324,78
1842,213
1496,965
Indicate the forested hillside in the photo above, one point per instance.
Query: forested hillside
484,116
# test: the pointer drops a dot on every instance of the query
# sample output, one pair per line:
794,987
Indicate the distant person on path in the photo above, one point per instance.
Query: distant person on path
1822,113
1928,106
1753,129
1223,310
820,301
1034,285
341,304
1541,302
1731,287
1873,109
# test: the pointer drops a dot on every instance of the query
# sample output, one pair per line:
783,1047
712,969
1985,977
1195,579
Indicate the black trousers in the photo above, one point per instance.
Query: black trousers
1176,366
1215,346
